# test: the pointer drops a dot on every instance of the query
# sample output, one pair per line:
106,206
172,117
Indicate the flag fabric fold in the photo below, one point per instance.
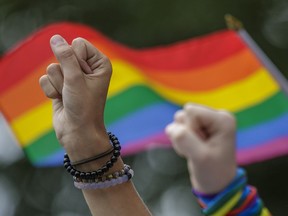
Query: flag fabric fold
147,87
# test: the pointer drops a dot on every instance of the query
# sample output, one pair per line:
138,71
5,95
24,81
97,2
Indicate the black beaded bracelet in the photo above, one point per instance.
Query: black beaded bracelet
98,173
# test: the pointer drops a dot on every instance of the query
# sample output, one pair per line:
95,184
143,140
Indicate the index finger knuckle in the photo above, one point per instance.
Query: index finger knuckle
65,52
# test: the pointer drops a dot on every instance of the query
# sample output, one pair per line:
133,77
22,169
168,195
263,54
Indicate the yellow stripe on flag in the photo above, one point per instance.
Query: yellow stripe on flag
33,124
124,76
234,97
237,96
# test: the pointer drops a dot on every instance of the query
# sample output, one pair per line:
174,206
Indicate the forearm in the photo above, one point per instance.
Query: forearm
211,177
120,199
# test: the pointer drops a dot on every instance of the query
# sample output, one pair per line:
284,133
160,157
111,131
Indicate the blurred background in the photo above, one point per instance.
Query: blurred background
29,191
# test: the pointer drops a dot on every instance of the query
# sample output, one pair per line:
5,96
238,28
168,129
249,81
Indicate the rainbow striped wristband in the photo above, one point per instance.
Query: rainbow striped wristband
237,198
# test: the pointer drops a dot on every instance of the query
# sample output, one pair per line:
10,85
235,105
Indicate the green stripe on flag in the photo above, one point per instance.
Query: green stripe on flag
130,100
263,112
46,145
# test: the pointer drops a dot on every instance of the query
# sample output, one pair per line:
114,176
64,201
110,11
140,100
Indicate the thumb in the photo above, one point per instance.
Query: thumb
69,64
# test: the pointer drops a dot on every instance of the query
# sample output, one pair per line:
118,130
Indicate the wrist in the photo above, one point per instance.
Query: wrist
86,143
95,176
212,178
237,198
91,159
229,197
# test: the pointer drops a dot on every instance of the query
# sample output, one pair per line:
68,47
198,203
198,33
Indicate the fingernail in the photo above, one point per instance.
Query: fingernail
57,40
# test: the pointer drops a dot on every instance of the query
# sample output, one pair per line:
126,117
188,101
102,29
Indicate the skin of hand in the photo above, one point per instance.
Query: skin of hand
206,138
78,87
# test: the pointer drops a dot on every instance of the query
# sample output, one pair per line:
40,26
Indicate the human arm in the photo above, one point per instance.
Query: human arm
78,87
206,138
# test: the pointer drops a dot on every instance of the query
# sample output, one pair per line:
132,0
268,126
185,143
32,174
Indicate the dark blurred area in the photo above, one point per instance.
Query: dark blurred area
29,191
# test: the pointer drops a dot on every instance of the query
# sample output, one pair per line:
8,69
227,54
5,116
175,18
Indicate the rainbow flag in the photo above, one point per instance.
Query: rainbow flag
148,85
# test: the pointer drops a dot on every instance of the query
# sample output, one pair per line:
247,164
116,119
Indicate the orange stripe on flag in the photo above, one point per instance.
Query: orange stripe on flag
210,77
24,96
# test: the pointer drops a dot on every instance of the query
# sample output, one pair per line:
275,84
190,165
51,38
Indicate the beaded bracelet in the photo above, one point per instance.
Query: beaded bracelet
114,175
116,178
95,174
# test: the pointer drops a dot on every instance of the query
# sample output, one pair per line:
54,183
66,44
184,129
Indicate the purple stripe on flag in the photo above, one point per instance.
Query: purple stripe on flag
258,134
157,140
266,150
144,123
